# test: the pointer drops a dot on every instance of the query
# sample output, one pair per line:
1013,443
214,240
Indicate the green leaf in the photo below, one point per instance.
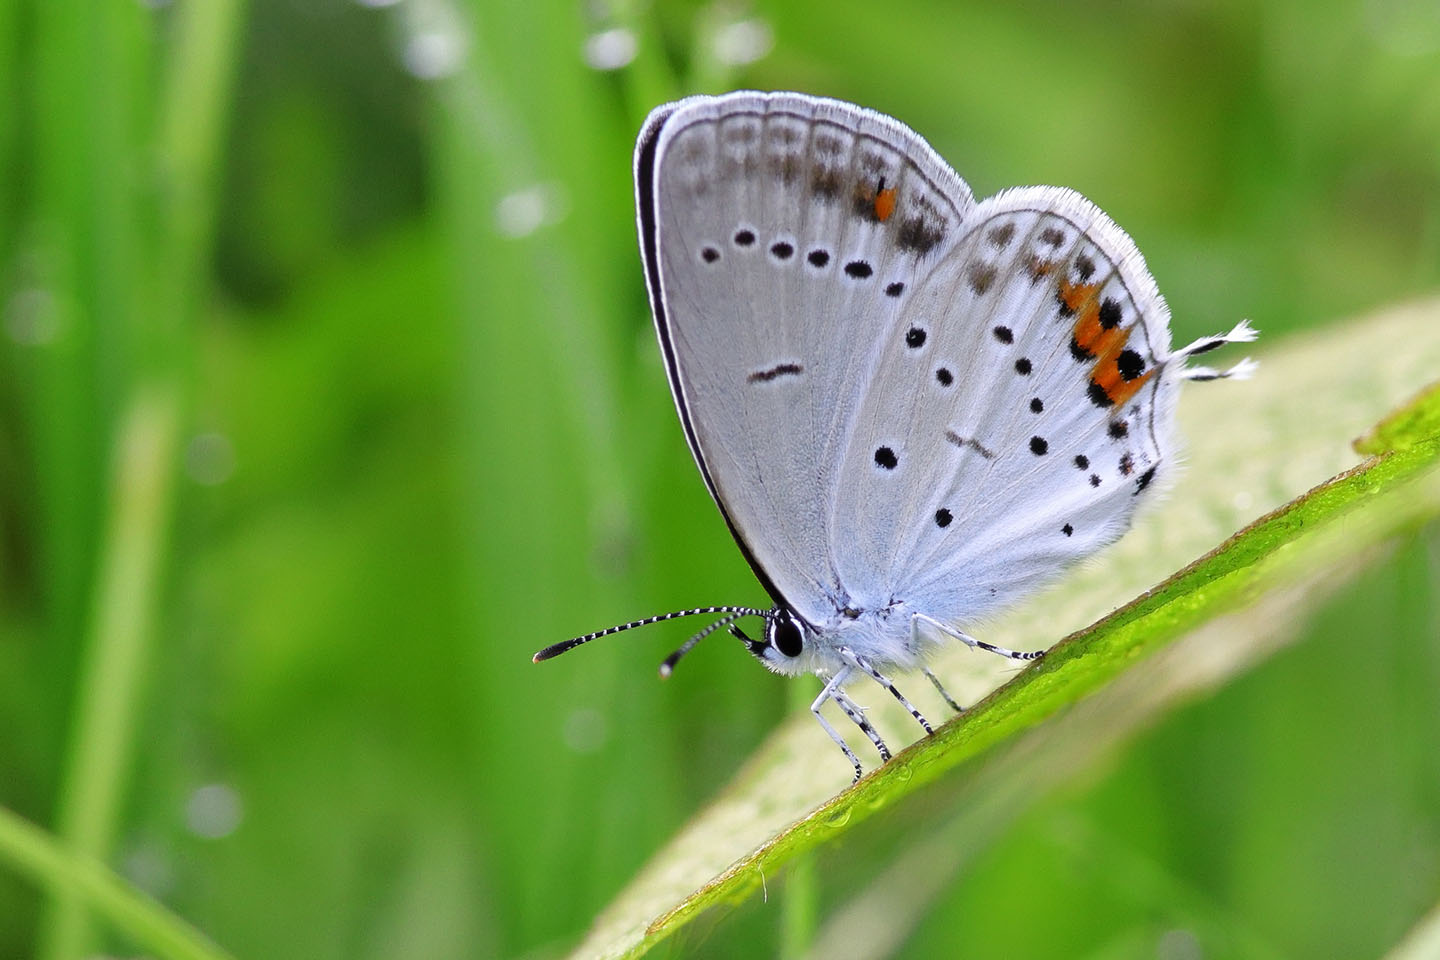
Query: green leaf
1416,421
85,880
1253,446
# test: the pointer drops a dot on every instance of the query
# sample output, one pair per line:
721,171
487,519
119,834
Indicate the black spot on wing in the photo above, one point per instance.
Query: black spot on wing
970,442
1130,364
779,370
1098,396
1110,313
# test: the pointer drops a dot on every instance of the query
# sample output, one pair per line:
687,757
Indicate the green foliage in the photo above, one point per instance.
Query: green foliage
328,394
30,851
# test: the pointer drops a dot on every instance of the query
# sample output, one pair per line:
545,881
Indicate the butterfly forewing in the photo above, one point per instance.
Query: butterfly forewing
781,234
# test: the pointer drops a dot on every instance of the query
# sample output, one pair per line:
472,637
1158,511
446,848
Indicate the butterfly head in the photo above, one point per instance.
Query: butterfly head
786,645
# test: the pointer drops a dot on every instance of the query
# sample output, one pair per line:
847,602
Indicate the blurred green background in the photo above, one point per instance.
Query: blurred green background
328,394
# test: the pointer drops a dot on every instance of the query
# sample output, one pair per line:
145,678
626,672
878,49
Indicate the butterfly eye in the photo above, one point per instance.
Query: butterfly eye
785,636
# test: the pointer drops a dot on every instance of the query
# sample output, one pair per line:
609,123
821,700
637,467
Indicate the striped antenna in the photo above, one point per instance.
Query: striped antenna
555,649
668,666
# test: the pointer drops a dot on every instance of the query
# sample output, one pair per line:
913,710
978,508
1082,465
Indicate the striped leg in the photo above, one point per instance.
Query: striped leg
831,689
965,638
858,715
943,692
884,681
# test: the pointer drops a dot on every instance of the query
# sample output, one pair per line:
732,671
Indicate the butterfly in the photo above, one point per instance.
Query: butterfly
912,409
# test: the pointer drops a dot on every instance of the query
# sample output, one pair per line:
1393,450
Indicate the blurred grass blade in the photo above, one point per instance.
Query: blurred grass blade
116,656
488,150
131,553
150,926
1242,441
192,126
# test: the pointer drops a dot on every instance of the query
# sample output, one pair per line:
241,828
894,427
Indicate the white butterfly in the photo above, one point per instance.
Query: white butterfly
912,409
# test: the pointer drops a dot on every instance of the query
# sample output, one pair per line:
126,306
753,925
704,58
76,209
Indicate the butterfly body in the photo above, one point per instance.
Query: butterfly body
911,408
885,636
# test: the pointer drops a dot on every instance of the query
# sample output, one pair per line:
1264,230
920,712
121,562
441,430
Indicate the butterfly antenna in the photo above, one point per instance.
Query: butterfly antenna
668,666
555,649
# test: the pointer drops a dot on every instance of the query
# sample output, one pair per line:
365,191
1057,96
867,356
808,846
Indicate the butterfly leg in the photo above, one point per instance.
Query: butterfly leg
943,692
965,638
832,688
858,715
884,681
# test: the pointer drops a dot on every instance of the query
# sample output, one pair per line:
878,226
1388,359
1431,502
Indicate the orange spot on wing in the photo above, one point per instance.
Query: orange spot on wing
1106,372
1098,342
1125,389
1105,345
884,202
1106,375
1077,295
1106,348
1080,299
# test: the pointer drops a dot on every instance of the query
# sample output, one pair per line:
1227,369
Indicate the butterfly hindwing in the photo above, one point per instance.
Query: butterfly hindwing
1025,395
